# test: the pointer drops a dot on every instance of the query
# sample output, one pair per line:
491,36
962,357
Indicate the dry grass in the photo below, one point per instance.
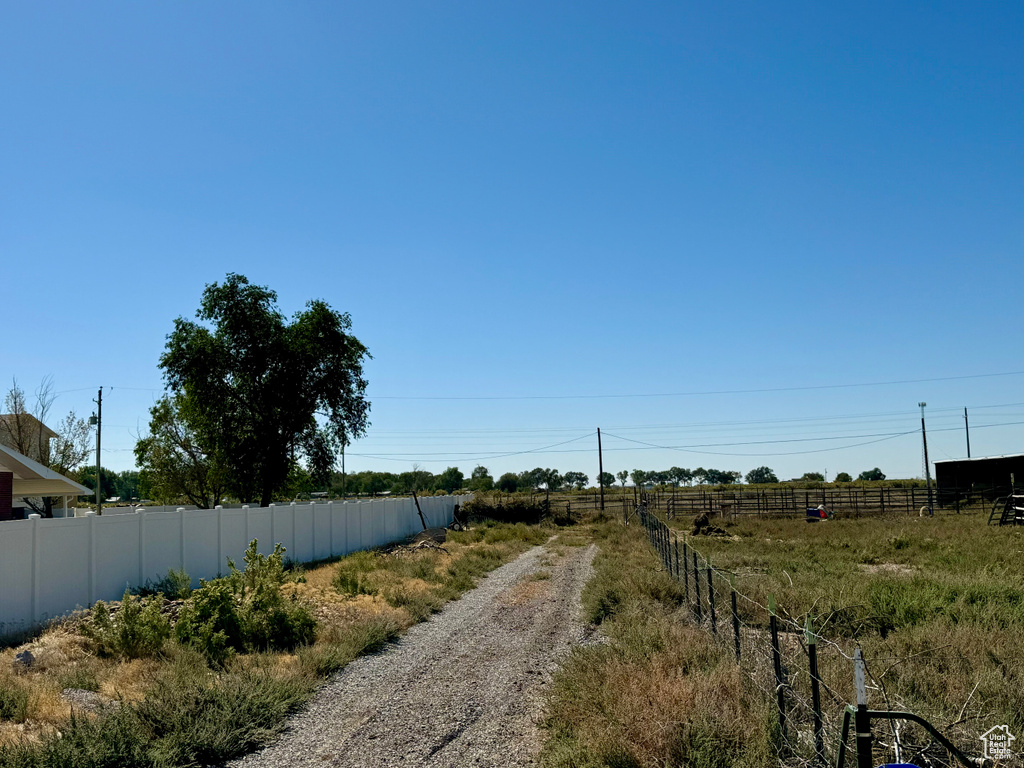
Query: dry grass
936,604
658,692
176,710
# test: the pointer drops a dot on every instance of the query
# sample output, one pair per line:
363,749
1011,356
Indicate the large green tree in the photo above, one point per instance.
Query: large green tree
481,479
576,480
508,483
450,480
762,475
260,392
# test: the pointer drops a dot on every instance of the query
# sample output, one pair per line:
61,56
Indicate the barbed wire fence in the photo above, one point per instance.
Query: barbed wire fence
810,679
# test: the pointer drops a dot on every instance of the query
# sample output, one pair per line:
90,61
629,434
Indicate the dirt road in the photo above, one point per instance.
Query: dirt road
463,689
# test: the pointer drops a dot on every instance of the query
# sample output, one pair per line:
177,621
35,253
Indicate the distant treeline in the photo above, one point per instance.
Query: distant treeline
452,479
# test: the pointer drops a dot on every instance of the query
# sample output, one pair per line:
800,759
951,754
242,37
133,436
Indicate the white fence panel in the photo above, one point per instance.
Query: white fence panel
303,548
117,544
161,542
323,531
234,537
201,553
16,596
50,567
261,528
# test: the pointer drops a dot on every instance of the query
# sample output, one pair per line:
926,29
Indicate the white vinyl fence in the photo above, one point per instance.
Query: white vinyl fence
49,567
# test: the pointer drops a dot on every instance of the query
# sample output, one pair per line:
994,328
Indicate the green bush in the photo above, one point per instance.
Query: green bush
245,611
193,718
176,585
136,630
13,701
209,621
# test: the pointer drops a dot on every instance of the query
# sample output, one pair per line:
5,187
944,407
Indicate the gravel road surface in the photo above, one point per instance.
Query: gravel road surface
463,689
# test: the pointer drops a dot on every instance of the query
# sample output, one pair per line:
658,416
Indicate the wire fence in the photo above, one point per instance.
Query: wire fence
809,678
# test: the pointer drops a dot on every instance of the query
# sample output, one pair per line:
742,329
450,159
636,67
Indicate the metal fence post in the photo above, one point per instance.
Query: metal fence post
696,586
861,720
666,536
711,601
780,697
812,655
676,553
735,617
686,573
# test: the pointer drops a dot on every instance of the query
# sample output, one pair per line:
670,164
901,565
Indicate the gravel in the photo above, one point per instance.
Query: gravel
462,689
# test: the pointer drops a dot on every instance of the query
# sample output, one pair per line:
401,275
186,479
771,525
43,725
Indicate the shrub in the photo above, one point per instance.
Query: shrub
245,611
176,585
341,644
518,509
136,630
13,701
192,718
209,621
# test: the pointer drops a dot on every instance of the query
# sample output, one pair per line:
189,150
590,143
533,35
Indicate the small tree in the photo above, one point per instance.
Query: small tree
871,474
177,465
23,428
606,479
762,475
812,477
480,479
623,477
843,477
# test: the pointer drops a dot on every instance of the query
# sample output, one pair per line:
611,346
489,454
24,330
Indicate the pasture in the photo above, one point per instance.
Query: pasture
936,604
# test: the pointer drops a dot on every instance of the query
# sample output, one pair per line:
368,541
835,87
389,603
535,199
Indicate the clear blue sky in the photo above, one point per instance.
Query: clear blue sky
539,199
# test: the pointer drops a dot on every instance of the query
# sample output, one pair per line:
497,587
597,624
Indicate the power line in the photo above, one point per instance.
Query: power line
387,457
702,393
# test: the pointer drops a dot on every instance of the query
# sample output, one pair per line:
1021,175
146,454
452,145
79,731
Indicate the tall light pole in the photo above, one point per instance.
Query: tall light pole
927,468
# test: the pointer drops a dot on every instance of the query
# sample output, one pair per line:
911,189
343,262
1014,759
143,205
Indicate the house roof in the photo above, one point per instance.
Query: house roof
33,479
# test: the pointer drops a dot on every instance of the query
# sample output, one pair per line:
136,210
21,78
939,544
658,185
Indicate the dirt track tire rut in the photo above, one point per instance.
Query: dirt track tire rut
463,689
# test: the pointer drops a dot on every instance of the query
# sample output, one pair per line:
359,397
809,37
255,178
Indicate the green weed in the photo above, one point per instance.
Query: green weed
137,629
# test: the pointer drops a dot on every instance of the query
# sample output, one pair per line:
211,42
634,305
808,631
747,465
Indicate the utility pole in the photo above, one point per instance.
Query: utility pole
927,468
600,468
967,431
99,432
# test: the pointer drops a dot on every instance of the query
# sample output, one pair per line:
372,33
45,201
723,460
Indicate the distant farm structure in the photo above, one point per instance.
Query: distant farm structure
985,476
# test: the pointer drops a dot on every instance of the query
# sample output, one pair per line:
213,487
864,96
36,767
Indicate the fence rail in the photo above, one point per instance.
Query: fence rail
851,500
49,567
